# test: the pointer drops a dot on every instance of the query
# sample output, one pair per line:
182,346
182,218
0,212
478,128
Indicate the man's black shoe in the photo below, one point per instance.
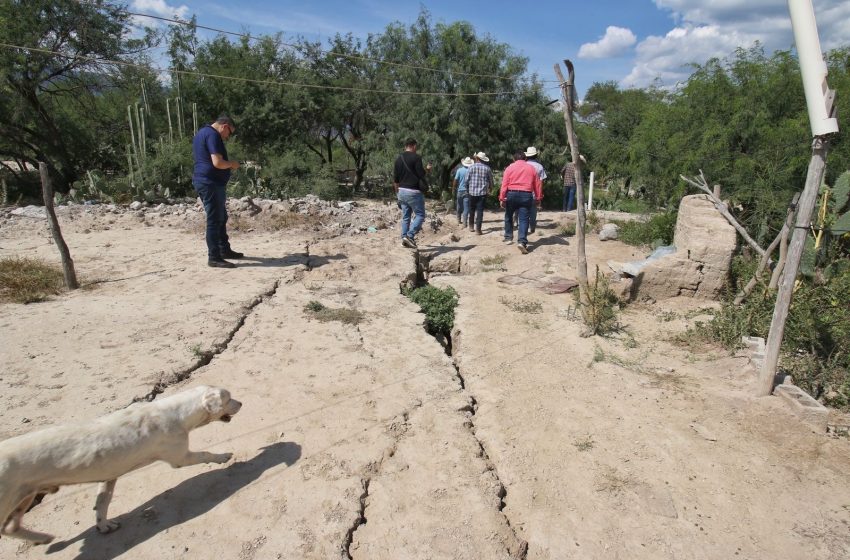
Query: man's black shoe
231,254
220,263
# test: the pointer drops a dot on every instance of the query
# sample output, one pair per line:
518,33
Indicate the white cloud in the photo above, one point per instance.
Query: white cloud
616,42
158,8
715,29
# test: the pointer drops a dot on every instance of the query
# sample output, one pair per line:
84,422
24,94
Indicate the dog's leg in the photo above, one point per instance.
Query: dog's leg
12,525
196,458
101,506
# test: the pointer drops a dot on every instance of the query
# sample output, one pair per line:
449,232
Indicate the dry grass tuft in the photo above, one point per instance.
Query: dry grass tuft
25,280
324,314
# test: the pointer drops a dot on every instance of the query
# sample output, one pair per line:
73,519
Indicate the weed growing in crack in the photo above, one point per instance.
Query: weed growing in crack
325,314
520,305
438,304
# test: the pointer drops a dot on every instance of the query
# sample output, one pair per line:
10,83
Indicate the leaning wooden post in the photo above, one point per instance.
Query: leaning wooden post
568,95
819,102
814,178
67,262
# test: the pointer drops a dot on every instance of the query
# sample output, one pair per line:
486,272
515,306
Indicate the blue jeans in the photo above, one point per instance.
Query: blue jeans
532,218
412,203
569,197
476,211
214,198
521,203
462,207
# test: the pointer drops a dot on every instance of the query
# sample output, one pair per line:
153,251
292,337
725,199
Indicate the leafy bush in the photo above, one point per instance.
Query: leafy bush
438,305
655,232
28,280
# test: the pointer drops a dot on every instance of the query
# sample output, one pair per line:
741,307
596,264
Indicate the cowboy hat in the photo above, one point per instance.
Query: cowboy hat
466,162
531,152
482,156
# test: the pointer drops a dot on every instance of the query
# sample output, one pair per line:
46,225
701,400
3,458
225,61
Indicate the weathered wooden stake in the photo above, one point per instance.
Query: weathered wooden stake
814,178
67,262
568,95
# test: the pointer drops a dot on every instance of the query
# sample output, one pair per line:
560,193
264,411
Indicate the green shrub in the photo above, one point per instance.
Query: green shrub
655,232
816,343
600,310
438,305
27,280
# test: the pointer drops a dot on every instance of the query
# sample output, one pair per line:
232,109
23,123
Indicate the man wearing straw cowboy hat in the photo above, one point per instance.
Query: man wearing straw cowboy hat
461,194
521,190
479,182
531,157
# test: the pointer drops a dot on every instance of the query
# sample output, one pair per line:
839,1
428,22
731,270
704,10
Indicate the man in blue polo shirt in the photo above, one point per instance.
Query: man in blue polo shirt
212,172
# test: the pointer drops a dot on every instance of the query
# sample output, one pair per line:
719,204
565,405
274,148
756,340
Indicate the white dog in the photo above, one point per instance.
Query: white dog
103,449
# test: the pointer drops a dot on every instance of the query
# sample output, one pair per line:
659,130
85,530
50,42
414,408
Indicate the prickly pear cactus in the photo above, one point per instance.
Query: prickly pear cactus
839,210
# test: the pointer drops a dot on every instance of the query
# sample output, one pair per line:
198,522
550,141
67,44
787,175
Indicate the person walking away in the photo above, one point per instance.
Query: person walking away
461,193
478,184
521,189
209,178
531,157
410,184
568,173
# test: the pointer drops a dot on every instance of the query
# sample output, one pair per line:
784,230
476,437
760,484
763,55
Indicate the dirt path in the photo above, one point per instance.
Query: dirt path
367,441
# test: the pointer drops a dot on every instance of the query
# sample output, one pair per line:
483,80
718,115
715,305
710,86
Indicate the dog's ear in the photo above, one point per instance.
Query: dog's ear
214,400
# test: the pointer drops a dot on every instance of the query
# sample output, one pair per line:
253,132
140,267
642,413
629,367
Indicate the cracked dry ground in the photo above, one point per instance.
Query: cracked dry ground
368,442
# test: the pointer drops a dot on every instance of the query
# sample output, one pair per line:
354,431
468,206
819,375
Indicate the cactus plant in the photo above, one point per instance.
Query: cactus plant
833,223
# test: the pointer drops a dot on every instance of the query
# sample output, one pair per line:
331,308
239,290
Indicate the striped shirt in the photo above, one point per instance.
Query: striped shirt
479,179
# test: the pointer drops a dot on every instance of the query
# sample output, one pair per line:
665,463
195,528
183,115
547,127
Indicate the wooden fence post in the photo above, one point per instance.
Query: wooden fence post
814,178
67,262
568,96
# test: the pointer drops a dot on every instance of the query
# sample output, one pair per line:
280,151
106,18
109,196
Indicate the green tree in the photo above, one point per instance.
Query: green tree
52,84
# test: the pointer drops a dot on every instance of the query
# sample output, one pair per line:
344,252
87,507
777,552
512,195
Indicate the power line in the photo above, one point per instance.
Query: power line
251,80
332,53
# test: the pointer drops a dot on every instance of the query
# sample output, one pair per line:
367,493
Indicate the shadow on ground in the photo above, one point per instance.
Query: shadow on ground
189,499
310,261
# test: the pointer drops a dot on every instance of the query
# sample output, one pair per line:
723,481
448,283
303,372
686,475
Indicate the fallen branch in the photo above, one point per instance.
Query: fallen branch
782,237
723,209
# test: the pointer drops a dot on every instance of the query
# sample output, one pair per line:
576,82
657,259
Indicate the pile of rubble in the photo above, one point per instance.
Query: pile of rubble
330,217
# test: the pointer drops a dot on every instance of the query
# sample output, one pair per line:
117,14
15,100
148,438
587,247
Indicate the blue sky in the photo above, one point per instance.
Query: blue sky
631,42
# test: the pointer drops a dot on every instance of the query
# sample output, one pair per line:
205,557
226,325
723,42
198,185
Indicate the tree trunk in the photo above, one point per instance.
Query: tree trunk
67,262
568,96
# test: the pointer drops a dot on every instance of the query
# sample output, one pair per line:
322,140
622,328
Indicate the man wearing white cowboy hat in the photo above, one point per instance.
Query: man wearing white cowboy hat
461,194
479,183
531,157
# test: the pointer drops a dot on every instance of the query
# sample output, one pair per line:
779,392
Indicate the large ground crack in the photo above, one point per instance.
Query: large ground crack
205,357
520,550
397,427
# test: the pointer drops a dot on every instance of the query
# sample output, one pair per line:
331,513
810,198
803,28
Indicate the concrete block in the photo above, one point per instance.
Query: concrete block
754,343
808,409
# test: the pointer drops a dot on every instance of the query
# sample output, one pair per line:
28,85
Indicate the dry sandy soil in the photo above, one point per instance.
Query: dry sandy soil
368,441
